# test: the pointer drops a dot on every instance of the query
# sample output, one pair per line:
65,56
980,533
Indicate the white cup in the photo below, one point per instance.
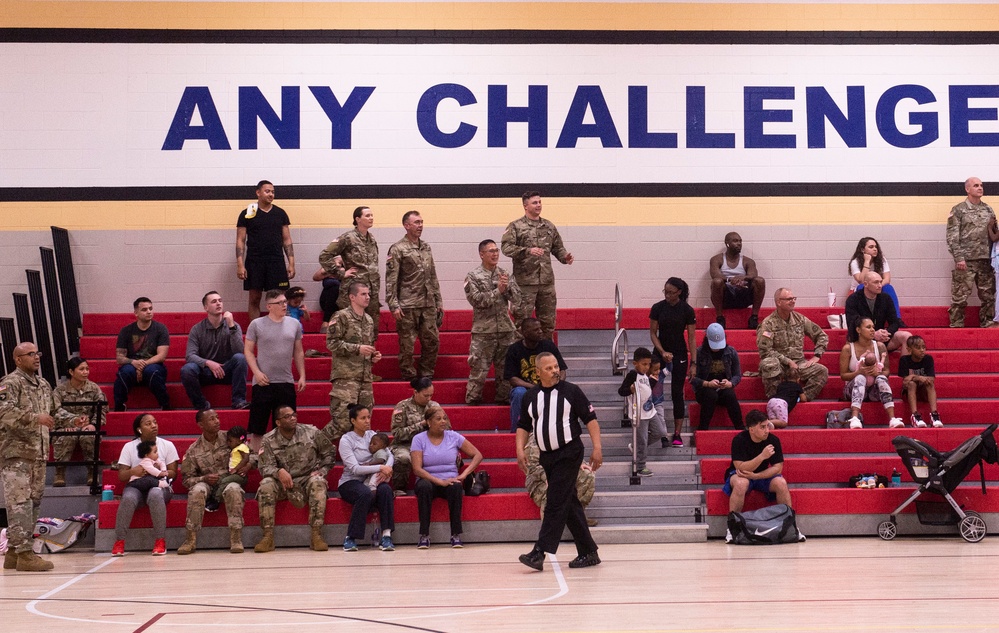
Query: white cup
832,299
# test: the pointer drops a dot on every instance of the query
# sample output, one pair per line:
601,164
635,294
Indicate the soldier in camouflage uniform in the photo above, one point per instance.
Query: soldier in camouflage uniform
350,339
358,252
969,244
204,465
537,483
781,338
26,415
493,294
69,417
531,242
294,461
414,297
407,422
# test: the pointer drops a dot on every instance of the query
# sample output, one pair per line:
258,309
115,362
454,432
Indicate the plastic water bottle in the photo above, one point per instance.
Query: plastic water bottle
896,478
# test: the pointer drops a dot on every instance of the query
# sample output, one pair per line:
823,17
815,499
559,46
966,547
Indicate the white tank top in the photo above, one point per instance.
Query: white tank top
738,269
854,361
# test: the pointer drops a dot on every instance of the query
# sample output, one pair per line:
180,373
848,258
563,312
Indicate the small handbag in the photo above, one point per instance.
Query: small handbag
477,483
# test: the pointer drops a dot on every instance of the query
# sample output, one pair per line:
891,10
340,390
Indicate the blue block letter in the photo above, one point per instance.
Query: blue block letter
755,115
285,129
588,97
696,124
181,130
535,114
961,116
820,107
929,126
341,116
638,122
426,115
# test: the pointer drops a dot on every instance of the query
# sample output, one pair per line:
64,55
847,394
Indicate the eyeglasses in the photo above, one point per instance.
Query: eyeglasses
287,416
31,354
278,303
491,250
791,299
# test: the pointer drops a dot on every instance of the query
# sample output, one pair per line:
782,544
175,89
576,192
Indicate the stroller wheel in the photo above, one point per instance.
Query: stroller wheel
972,527
887,530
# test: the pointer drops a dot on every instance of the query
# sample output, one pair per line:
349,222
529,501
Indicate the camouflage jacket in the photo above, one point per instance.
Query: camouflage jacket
524,234
411,277
307,451
784,340
357,251
968,231
204,459
407,421
347,332
22,397
65,395
491,308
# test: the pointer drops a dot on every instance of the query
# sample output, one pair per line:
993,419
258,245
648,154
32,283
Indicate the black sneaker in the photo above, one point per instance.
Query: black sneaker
211,505
720,319
754,322
584,560
665,442
535,559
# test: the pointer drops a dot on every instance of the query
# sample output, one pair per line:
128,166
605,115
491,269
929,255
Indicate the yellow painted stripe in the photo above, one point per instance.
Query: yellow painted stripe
622,212
500,15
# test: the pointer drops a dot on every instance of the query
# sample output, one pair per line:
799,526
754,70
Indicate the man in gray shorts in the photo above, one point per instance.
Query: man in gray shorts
272,342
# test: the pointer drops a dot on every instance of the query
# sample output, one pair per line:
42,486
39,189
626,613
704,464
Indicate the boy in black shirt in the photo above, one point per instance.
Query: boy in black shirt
757,462
916,371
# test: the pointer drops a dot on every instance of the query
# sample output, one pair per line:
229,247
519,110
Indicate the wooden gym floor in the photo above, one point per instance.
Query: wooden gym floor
834,584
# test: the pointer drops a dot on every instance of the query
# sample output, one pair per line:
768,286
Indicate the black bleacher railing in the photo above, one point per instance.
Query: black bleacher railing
23,317
42,339
59,346
67,288
94,463
8,340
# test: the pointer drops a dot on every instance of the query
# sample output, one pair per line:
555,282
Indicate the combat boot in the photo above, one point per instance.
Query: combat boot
28,561
266,543
60,477
190,543
318,544
235,541
10,559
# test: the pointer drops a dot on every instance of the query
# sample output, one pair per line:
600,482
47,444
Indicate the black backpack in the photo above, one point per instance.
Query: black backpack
767,526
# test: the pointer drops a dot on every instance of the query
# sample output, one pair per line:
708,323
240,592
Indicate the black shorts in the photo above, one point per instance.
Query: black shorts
265,274
737,297
266,398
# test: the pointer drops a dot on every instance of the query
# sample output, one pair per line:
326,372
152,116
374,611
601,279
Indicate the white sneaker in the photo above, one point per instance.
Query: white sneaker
937,424
895,423
855,423
917,421
728,535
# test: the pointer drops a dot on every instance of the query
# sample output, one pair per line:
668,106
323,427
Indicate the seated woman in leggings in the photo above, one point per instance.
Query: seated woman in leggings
353,488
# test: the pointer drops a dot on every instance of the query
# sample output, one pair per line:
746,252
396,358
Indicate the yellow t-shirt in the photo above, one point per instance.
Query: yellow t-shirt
236,456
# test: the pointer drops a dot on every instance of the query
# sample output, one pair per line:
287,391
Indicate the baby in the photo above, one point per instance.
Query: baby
239,454
789,393
378,447
156,472
296,303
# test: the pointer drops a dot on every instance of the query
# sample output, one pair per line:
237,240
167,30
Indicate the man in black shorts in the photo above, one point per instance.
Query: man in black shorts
735,282
757,463
262,233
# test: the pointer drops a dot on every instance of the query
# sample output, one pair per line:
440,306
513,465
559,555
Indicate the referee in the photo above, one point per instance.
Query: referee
553,410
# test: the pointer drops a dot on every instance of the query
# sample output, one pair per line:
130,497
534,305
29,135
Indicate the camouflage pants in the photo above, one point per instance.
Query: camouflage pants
62,446
402,467
420,322
813,377
306,489
234,501
486,350
374,308
536,481
980,274
23,485
541,301
343,394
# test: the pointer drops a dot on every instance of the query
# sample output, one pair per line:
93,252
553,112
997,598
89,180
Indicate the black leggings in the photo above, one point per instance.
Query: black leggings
679,369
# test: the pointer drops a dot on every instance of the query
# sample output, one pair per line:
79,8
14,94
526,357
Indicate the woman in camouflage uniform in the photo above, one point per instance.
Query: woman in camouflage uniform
407,422
78,388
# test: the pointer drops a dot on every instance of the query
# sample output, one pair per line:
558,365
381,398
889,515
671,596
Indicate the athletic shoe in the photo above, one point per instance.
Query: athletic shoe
664,442
386,545
349,545
895,423
754,322
728,535
376,537
456,542
720,319
211,505
645,472
535,559
935,418
424,542
242,404
677,441
584,560
855,423
917,421
118,549
159,548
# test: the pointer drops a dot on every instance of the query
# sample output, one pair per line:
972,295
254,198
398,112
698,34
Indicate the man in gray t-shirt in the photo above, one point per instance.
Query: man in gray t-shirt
272,343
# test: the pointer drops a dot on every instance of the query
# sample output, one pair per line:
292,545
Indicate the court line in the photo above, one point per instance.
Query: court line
32,608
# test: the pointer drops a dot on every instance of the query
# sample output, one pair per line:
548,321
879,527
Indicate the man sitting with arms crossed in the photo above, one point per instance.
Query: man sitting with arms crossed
870,302
215,355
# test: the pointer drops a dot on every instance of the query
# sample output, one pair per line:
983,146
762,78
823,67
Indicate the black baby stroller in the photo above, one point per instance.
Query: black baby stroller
940,473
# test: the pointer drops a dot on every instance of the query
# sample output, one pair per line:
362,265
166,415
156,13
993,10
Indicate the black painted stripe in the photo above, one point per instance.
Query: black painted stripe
505,190
503,36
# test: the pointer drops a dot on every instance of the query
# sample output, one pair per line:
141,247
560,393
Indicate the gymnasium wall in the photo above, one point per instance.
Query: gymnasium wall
651,129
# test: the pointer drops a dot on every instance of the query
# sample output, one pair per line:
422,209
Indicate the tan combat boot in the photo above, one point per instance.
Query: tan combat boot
28,561
235,541
318,544
60,477
10,559
266,543
190,543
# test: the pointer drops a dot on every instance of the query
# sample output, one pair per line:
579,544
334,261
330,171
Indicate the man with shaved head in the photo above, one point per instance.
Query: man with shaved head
26,415
735,282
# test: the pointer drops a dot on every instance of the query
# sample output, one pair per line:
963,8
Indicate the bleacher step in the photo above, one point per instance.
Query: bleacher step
647,534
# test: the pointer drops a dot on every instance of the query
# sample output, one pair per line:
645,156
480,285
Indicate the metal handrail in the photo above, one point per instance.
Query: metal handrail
619,348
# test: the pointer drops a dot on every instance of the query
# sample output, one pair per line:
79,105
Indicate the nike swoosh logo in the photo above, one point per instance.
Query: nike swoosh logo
758,533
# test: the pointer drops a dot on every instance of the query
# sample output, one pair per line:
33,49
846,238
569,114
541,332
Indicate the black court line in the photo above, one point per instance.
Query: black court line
500,190
520,37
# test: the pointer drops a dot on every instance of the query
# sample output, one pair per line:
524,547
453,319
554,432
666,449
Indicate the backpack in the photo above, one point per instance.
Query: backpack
55,535
771,525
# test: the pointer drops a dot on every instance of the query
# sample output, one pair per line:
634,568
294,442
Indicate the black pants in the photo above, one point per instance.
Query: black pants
426,492
709,398
358,495
563,508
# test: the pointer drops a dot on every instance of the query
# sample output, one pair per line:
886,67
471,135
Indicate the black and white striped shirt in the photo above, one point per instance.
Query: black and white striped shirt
555,414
